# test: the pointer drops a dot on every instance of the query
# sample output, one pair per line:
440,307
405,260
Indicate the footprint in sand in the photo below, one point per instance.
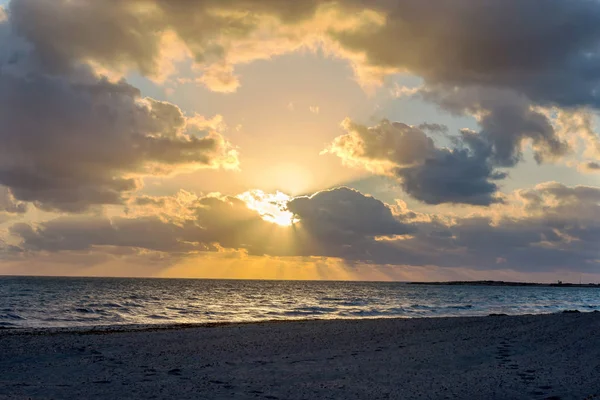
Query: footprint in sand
528,377
504,352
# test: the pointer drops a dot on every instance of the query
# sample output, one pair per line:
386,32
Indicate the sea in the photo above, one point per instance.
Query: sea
38,302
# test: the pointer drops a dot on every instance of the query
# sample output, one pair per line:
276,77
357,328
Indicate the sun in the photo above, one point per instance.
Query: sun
271,207
290,177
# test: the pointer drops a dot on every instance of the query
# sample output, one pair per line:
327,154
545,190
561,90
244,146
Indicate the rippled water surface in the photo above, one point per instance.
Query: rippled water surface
59,302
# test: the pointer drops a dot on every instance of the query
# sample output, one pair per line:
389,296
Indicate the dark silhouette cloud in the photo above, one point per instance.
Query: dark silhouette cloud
345,212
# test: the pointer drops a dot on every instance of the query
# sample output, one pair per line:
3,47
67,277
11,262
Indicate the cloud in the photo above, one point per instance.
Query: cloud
182,224
9,204
590,167
558,228
507,121
452,176
469,62
85,233
547,228
217,36
219,78
314,109
433,128
479,43
345,212
382,147
577,128
433,175
68,146
464,43
403,91
188,224
74,140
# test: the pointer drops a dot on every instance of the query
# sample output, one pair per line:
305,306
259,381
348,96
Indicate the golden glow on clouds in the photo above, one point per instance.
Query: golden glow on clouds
3,16
271,207
241,37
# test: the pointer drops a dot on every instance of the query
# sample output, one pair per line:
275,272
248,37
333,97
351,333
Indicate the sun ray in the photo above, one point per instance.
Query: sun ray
271,207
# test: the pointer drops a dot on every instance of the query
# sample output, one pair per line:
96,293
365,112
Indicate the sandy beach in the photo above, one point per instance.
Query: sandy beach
503,357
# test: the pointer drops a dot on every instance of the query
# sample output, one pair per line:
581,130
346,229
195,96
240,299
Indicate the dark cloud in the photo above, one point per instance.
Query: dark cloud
68,145
551,56
465,173
336,223
84,233
506,119
549,227
77,140
434,175
195,226
386,144
107,32
345,212
141,34
452,176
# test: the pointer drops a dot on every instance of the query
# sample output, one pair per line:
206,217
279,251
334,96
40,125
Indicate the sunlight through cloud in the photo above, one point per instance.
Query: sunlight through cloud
271,207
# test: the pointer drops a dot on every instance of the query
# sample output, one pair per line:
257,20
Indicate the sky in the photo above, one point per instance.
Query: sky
347,140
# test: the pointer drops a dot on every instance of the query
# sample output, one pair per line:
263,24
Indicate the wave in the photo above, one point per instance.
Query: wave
85,310
306,311
331,299
162,317
10,316
354,302
463,307
104,305
110,302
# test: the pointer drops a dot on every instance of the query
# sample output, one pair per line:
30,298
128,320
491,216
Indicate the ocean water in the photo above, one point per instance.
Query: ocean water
66,302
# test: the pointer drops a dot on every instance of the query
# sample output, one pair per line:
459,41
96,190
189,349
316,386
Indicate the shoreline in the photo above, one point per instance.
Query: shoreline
544,356
128,328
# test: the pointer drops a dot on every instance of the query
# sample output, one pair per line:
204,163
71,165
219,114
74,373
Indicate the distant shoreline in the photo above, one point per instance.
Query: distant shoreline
439,283
503,283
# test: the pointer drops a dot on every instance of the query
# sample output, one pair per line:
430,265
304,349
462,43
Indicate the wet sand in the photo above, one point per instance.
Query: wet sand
525,357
